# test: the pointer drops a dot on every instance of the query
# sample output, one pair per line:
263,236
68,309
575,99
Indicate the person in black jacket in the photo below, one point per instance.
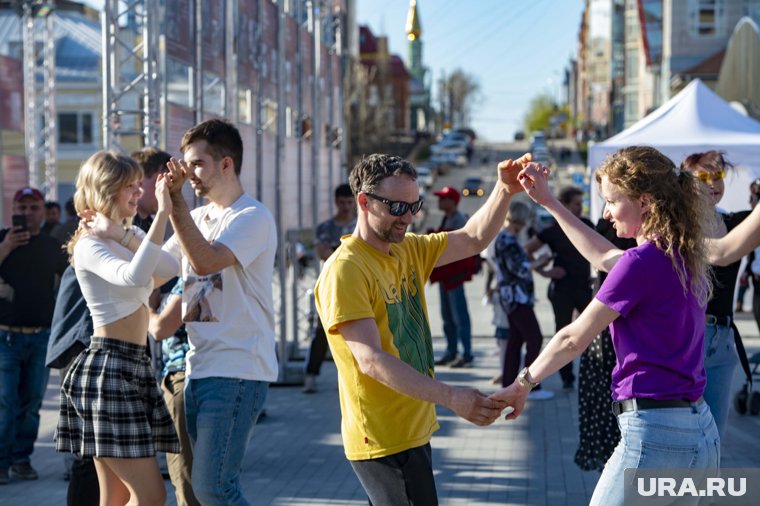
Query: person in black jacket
70,334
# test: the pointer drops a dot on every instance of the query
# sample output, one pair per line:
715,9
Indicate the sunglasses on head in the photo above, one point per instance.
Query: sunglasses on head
397,207
707,177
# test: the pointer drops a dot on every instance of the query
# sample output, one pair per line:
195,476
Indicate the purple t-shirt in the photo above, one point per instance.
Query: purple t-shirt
659,336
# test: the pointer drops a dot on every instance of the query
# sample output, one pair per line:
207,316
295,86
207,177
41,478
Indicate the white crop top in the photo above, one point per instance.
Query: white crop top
113,281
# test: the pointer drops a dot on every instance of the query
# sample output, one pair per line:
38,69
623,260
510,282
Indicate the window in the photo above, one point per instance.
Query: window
75,128
707,18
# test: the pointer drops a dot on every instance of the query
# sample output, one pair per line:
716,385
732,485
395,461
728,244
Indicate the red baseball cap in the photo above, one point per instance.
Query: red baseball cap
28,192
447,192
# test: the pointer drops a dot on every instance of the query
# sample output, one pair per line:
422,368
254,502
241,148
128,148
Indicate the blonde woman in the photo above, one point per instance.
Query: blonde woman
111,408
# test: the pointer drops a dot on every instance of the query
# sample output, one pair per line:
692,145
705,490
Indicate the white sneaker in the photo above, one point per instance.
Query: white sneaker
540,395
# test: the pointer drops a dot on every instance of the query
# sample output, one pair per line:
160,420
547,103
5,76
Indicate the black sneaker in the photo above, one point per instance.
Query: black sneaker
446,359
23,471
462,362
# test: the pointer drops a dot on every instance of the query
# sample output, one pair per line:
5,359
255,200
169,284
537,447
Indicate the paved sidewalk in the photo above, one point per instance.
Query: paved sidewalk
296,458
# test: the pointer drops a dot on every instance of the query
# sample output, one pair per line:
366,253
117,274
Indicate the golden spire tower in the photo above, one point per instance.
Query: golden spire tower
413,29
414,50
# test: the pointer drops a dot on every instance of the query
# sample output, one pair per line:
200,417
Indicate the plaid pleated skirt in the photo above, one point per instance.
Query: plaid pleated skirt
111,405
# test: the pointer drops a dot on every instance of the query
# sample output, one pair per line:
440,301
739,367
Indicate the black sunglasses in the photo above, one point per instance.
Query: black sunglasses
397,207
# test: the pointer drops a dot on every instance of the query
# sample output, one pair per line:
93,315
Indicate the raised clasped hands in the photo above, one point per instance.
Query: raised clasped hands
176,176
475,407
163,194
509,171
534,179
513,396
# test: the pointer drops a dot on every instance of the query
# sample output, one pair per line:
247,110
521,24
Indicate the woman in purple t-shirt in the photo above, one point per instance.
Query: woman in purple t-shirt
654,302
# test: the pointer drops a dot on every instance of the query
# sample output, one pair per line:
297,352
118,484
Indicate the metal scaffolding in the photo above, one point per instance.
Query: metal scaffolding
41,143
131,77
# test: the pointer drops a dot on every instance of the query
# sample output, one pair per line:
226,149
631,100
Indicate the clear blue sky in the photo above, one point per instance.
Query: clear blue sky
516,49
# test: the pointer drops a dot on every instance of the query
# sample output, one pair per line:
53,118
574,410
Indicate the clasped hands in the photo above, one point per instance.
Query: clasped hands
525,174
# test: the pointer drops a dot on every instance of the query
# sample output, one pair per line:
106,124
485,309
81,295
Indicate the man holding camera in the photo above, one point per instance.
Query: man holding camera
29,264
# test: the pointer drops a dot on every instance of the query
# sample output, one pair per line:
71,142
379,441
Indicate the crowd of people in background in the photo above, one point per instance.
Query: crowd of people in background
160,317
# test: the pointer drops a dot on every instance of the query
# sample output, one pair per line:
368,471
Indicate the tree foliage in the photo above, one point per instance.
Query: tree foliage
462,92
540,110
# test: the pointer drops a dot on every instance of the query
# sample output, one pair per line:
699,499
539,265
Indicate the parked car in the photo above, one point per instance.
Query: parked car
473,186
425,176
448,156
538,141
541,155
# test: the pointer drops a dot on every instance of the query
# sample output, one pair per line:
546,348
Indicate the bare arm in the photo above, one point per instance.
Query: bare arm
363,339
737,243
204,257
600,252
567,344
483,226
166,323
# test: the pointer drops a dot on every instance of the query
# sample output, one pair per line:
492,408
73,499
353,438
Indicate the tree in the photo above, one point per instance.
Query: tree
462,92
541,108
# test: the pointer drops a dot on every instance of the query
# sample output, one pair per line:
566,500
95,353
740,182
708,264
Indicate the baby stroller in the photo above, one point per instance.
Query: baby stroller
746,400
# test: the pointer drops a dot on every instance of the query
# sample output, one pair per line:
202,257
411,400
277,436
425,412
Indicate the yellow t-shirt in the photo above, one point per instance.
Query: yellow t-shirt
360,282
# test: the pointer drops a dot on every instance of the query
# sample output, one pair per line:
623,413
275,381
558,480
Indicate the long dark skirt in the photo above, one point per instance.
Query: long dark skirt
599,431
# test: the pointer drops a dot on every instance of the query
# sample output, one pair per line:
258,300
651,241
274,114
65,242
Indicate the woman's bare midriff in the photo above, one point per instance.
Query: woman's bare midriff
132,328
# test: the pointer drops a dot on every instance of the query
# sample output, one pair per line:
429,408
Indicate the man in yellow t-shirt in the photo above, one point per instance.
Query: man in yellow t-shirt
371,301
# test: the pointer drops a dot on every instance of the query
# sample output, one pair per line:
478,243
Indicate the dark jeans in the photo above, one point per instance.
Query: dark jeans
404,478
317,350
564,301
456,320
83,487
523,328
23,380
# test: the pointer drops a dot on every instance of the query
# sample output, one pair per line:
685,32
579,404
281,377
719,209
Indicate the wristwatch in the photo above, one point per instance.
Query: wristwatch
525,380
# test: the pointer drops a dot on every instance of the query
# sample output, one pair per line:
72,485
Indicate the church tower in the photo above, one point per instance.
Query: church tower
413,33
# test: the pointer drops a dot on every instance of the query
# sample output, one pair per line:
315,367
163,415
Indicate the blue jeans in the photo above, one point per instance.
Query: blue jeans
456,320
221,414
23,380
656,438
720,363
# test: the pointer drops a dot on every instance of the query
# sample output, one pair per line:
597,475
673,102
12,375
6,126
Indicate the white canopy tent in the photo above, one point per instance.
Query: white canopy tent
695,120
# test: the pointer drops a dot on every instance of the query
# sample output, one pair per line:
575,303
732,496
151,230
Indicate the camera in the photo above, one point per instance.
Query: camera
19,220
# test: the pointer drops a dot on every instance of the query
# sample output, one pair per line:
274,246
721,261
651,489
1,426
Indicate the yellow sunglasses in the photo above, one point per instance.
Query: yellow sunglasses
710,177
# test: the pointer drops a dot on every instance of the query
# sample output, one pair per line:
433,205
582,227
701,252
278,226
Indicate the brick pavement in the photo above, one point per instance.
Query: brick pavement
296,458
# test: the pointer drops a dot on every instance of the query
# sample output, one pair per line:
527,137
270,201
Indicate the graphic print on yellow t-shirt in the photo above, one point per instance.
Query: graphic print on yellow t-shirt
408,325
359,282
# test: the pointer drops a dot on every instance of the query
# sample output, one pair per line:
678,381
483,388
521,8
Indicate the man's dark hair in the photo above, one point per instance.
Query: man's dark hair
568,193
222,137
371,170
71,209
343,190
152,160
50,204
